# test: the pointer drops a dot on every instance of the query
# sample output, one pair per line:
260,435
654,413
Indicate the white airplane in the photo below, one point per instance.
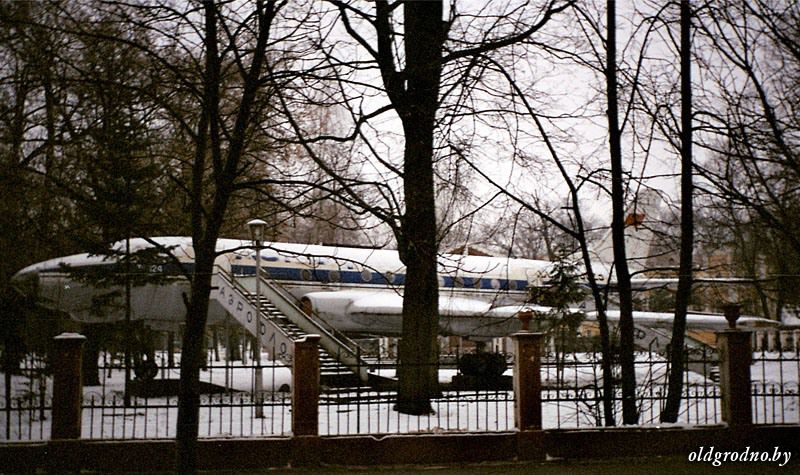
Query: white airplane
355,290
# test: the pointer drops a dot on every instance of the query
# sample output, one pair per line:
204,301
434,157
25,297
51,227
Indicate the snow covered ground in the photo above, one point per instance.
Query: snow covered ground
571,399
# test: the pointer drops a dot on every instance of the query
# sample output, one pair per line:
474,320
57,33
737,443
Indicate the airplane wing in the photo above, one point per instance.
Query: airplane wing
646,283
694,321
380,312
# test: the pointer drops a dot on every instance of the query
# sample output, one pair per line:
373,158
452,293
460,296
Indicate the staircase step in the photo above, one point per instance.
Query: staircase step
332,371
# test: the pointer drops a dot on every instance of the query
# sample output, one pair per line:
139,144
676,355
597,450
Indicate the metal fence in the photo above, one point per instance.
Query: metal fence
372,412
776,393
460,407
573,389
27,400
228,406
571,398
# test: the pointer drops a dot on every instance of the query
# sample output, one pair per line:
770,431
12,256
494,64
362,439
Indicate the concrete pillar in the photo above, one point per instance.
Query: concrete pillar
305,386
527,380
67,386
735,356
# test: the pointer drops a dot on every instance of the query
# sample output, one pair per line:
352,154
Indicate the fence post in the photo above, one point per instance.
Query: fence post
67,386
527,380
735,356
305,386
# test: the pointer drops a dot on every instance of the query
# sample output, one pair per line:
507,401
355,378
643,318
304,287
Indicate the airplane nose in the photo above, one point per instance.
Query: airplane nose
26,282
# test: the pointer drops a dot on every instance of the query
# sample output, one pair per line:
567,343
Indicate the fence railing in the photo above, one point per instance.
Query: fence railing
569,395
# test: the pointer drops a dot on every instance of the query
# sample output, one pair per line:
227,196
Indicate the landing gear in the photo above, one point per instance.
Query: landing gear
482,370
482,365
145,369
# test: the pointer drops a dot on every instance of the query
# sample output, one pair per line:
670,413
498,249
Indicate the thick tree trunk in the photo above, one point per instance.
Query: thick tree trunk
684,292
192,359
626,346
418,370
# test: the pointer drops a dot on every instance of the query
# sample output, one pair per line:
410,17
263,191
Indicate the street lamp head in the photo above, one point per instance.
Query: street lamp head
257,229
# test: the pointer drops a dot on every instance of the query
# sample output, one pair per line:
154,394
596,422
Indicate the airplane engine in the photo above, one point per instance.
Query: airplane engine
357,310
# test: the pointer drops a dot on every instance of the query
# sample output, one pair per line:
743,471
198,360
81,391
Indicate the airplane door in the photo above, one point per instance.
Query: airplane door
534,277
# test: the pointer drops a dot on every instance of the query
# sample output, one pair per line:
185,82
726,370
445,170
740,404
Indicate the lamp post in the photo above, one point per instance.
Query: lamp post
126,394
257,228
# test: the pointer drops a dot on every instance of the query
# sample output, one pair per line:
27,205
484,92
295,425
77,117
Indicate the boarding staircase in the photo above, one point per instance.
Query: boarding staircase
278,322
659,339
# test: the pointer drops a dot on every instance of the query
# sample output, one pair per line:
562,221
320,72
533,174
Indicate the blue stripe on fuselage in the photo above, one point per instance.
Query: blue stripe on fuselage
307,274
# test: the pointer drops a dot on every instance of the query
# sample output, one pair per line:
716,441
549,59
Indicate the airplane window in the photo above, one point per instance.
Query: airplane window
389,277
305,274
476,282
366,275
441,281
334,276
458,282
495,284
512,284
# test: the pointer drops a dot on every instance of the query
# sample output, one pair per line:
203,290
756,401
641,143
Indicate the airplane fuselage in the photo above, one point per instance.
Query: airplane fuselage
303,270
353,289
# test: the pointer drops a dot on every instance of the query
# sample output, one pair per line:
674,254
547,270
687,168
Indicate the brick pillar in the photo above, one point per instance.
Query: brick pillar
527,380
735,357
67,386
305,386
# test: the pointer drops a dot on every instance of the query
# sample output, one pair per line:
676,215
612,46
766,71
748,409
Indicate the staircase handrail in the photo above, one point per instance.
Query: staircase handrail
352,346
262,321
324,329
337,344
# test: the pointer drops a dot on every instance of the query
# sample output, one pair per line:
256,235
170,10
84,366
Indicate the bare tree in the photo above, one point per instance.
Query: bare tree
751,56
629,411
676,356
211,90
423,60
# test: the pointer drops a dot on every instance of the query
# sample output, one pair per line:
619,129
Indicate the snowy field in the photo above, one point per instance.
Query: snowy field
571,398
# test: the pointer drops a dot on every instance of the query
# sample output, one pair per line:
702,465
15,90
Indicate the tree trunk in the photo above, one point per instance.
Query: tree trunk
626,347
192,359
91,354
418,370
684,293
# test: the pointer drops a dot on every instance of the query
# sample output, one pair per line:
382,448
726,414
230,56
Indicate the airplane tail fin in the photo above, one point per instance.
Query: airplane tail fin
642,241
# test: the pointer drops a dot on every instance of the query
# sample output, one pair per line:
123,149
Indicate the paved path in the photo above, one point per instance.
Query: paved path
645,466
